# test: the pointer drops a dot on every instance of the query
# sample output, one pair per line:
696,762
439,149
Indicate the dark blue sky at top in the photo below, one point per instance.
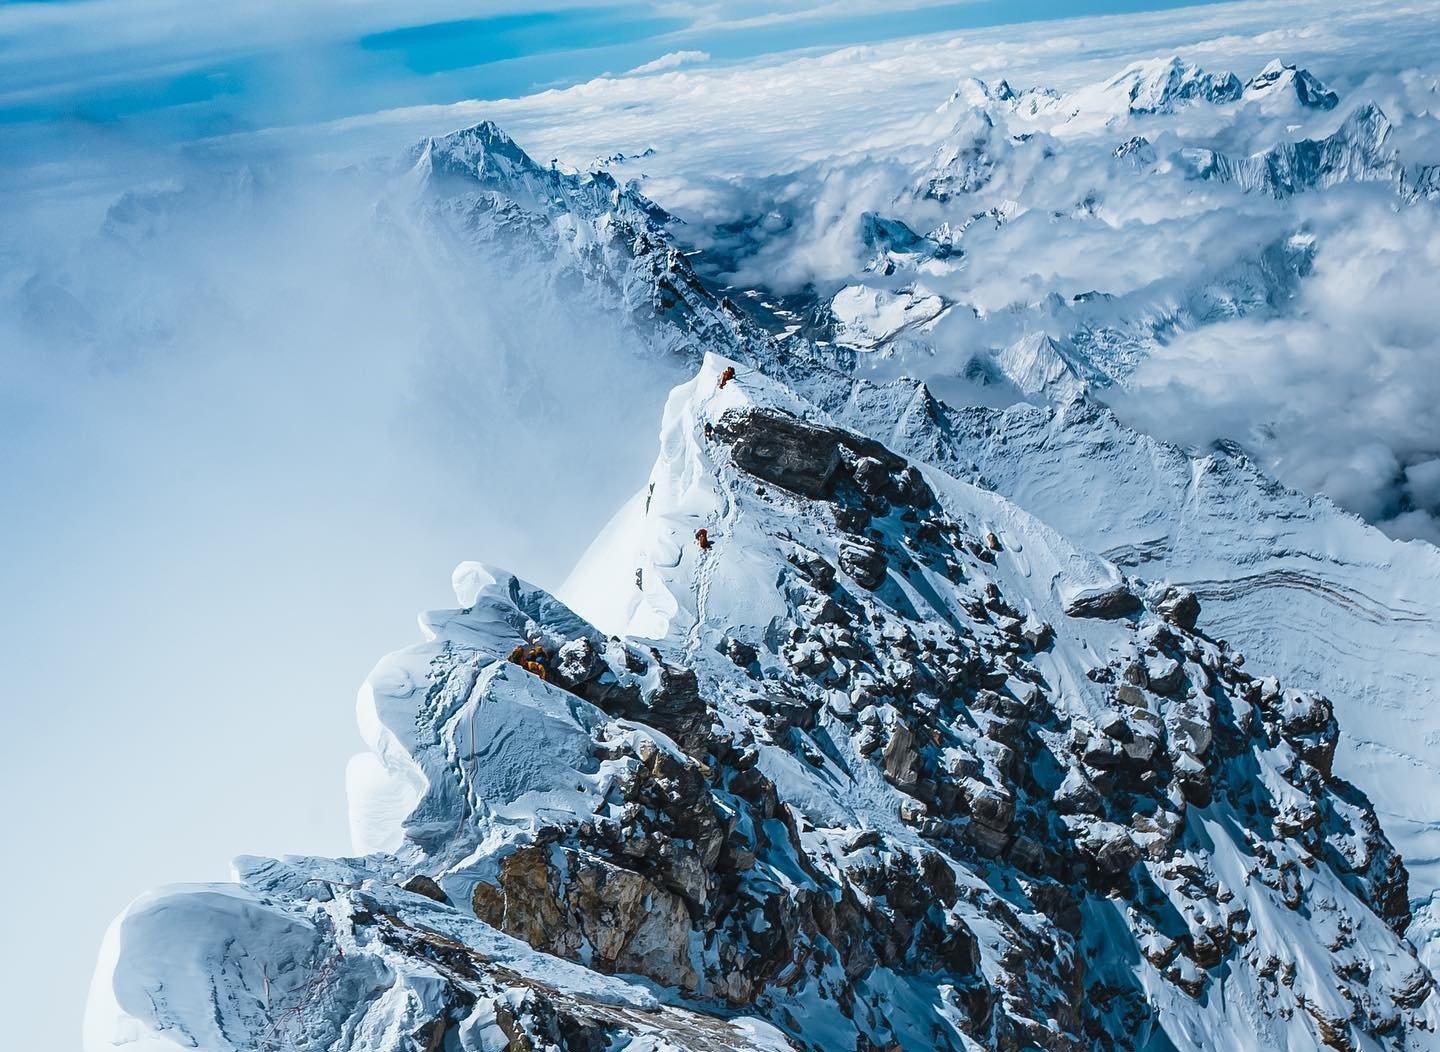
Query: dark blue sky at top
166,90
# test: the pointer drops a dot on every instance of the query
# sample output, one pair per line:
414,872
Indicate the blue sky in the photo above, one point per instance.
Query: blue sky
170,71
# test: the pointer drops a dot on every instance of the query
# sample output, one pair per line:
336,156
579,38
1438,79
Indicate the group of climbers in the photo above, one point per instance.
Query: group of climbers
702,535
531,659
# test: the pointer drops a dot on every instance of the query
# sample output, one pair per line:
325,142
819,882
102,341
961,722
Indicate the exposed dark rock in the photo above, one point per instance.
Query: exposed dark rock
740,652
1164,675
815,567
782,449
677,708
864,562
992,807
1180,607
900,758
1037,635
423,885
1113,602
872,477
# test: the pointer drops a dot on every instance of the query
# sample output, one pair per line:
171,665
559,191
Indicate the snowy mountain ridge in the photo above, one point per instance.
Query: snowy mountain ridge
934,738
890,763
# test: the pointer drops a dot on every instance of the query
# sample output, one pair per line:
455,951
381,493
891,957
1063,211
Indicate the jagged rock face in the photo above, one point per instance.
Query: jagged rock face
904,800
1294,578
966,160
1356,151
1157,87
1169,739
478,190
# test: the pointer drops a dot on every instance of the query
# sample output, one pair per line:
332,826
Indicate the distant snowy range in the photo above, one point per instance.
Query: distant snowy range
983,494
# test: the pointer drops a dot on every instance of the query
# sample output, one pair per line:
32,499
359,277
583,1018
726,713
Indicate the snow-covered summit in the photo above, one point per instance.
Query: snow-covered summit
878,759
1159,85
1283,80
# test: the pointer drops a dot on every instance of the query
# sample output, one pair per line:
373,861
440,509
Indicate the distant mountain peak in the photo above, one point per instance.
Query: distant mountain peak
1157,85
483,152
1279,77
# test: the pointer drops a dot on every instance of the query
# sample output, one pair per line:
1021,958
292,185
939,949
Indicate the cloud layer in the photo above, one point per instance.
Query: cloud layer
1297,328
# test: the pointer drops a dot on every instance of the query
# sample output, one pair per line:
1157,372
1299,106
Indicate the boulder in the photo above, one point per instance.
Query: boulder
420,884
1117,601
1077,795
1190,734
1164,674
1116,853
1129,694
813,566
740,652
577,662
1179,607
900,759
782,449
872,477
864,562
993,808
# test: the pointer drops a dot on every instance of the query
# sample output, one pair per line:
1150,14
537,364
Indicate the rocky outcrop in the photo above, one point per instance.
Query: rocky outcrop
1116,601
783,450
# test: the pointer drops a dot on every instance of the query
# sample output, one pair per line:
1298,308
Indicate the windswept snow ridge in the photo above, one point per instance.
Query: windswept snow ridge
890,763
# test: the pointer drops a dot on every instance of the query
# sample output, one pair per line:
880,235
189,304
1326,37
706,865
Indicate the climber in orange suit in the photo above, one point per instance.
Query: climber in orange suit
727,376
702,538
531,659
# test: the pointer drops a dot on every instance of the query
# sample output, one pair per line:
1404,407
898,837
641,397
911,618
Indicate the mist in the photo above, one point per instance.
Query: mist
252,418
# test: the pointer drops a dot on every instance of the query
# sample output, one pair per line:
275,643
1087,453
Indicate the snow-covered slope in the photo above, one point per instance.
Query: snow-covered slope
1312,593
478,190
885,762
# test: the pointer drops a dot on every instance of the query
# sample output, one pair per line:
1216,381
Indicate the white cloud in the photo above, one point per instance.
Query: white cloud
673,60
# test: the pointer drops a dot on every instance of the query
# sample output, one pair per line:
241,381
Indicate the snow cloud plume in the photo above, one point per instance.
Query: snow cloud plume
1341,394
672,60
